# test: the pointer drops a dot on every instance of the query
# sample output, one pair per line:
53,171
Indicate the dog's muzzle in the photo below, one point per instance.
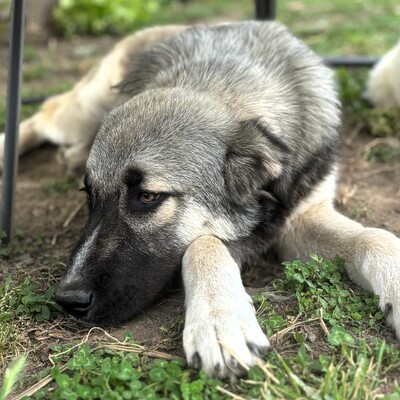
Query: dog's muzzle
75,300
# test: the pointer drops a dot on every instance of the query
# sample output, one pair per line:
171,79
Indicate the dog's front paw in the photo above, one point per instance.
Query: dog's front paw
389,301
224,338
381,267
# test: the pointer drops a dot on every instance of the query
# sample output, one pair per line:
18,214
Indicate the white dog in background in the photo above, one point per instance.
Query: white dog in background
383,87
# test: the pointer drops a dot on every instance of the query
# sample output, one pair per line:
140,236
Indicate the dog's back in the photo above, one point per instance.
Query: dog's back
258,69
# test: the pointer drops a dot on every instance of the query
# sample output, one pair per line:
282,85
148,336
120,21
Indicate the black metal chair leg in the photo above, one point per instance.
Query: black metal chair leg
265,9
17,16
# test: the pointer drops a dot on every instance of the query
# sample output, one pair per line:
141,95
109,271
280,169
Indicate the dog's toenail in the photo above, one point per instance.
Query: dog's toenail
196,361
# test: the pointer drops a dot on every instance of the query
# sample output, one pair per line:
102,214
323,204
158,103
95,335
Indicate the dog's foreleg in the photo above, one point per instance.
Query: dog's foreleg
372,255
221,335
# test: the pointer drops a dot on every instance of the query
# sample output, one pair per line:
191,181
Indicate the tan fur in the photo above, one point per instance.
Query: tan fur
196,221
220,318
166,212
383,88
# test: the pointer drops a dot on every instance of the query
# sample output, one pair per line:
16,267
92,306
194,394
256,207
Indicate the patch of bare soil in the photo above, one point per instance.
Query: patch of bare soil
50,225
368,192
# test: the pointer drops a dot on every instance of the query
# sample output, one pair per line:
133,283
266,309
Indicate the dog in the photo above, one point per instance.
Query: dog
205,147
383,86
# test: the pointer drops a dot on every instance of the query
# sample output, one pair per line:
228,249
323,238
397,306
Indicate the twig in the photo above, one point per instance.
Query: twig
227,392
354,133
390,141
269,374
37,386
149,353
84,340
379,170
283,332
73,214
54,239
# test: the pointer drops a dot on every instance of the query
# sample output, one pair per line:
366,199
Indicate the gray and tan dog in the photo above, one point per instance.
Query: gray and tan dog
210,145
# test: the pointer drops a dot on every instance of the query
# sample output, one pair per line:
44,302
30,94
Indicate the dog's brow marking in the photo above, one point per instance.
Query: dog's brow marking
197,221
166,212
81,256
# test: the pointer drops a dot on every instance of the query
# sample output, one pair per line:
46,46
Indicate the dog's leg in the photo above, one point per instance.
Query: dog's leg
73,118
59,121
221,335
28,137
372,255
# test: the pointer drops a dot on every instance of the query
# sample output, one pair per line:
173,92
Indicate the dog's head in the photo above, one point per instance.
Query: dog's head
165,168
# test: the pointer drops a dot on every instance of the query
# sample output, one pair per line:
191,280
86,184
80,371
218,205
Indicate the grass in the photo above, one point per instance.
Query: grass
11,376
349,364
324,329
328,27
378,122
20,304
60,186
363,27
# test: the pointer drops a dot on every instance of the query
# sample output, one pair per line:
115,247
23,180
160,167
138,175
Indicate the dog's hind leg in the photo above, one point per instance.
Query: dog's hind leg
60,121
71,120
29,137
371,255
221,334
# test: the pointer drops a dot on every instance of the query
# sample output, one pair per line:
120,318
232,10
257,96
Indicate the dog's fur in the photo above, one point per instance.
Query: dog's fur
236,128
383,86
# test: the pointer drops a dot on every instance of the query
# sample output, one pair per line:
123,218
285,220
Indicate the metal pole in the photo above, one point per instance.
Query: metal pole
351,61
16,44
265,9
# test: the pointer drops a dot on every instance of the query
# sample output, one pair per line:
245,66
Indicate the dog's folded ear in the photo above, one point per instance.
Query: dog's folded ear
257,160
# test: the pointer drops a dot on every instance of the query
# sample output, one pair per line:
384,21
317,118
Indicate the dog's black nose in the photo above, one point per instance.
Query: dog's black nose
75,301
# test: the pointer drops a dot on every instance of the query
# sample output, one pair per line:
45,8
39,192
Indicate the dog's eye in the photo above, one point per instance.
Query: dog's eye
148,197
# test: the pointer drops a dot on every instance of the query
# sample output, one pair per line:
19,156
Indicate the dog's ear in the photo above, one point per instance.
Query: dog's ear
257,161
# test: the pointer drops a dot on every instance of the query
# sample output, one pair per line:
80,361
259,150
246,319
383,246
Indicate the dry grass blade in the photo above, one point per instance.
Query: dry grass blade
279,335
141,351
37,386
380,170
269,374
229,349
230,394
73,213
322,323
86,338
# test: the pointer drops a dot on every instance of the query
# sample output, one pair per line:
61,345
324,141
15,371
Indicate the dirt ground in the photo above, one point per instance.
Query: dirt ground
48,225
